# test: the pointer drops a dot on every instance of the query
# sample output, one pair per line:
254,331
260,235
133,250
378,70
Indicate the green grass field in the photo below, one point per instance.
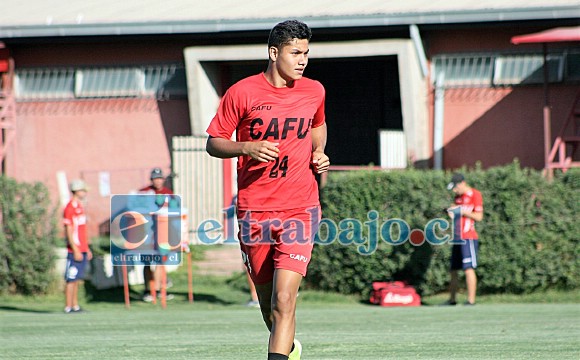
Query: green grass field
218,326
199,331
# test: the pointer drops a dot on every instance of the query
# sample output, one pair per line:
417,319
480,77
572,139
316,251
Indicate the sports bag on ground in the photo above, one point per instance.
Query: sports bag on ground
395,293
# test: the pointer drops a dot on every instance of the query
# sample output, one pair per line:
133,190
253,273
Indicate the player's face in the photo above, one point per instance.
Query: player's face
459,189
291,59
81,194
158,183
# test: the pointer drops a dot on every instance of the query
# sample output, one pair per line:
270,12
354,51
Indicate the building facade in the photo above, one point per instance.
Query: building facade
107,93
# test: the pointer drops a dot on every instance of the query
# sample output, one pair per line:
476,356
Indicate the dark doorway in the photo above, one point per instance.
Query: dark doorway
362,96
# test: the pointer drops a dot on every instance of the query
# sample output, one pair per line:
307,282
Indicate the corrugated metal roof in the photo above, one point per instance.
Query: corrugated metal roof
25,18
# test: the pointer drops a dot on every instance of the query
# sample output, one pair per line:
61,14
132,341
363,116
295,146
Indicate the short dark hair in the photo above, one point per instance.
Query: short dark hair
284,32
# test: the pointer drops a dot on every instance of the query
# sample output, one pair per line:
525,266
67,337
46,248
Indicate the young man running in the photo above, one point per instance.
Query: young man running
280,129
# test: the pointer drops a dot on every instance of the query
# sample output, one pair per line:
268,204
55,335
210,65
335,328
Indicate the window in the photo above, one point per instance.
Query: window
158,81
464,70
44,84
526,69
98,83
504,69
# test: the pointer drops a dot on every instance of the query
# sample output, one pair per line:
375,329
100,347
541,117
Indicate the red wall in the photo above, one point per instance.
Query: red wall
126,52
495,125
123,137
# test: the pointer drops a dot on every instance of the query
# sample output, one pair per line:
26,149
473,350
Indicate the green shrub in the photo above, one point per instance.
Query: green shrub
27,238
529,234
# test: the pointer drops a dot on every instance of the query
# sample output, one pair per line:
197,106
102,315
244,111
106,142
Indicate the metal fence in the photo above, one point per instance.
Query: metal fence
198,178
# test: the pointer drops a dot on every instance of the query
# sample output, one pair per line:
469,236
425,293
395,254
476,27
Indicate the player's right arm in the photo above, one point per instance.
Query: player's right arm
262,151
231,111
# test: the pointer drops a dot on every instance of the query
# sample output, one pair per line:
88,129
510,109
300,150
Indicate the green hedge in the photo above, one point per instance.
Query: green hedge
27,239
529,235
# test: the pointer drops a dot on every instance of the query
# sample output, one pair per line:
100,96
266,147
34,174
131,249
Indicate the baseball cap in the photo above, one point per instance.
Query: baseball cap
78,185
455,179
156,173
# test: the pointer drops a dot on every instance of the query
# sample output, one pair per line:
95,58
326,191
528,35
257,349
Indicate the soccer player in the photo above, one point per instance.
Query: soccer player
79,253
280,129
464,256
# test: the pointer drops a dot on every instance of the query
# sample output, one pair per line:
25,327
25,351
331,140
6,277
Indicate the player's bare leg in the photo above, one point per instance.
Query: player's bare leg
264,292
471,280
75,296
158,277
285,289
453,284
68,294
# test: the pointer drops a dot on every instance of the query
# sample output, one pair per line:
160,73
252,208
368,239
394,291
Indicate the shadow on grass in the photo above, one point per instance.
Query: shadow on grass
13,308
208,298
112,295
117,295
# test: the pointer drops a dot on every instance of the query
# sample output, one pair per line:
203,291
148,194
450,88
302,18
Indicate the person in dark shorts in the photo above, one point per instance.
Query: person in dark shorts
79,253
469,205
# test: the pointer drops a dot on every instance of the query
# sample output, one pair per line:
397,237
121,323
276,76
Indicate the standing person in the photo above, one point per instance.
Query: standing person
77,243
254,302
280,129
157,187
464,256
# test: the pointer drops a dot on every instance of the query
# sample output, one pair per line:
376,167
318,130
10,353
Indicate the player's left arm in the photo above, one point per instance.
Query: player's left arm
320,160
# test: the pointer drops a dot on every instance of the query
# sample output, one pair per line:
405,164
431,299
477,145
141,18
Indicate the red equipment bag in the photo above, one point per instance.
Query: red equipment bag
395,293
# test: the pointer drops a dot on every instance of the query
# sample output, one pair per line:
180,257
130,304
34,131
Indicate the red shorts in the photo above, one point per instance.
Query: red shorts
272,240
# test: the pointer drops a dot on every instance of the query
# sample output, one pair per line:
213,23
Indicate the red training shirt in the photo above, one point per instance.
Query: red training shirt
471,200
258,111
74,215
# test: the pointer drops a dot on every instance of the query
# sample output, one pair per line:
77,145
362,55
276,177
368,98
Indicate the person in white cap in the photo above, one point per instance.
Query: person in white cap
79,253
